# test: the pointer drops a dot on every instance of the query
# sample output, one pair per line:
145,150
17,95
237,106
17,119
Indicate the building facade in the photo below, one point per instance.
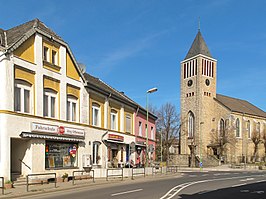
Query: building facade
215,127
53,116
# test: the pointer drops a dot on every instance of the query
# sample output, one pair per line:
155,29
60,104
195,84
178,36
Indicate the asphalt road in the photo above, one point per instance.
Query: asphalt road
189,185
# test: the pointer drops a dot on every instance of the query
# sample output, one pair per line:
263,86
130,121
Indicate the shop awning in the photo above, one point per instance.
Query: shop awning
49,137
113,141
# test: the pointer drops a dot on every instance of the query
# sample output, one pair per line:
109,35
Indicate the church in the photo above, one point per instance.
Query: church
215,128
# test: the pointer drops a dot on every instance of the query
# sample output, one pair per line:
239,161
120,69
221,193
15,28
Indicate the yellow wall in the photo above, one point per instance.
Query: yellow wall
99,100
71,70
25,75
52,47
26,50
51,84
71,90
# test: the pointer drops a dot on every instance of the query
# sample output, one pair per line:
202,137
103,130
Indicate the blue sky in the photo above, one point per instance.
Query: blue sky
134,45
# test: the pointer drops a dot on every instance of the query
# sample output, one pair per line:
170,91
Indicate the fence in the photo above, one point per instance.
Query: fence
114,173
41,182
81,177
172,169
156,170
137,173
3,185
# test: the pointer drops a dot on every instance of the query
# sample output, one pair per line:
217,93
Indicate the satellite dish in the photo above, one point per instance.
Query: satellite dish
82,67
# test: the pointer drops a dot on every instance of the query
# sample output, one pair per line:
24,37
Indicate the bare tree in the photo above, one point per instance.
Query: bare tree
256,139
264,141
168,124
223,138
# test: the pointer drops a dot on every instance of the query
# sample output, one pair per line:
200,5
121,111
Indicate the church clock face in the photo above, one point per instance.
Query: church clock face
189,83
207,82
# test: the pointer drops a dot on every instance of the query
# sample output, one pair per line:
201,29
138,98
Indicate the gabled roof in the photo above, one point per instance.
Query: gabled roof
16,33
240,106
98,85
198,47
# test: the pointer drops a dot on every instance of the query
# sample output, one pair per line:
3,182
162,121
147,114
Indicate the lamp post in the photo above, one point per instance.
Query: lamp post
201,165
161,147
152,90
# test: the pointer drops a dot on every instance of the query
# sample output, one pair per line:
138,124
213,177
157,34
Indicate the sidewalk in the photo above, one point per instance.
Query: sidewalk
21,191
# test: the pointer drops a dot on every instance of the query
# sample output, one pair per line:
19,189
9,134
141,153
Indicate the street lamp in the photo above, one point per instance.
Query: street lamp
152,90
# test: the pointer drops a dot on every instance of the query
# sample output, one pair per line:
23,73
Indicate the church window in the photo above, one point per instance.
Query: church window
222,128
248,129
185,70
237,128
196,64
258,127
191,125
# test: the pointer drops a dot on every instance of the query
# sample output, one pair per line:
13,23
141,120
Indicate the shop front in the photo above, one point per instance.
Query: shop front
118,153
140,153
48,147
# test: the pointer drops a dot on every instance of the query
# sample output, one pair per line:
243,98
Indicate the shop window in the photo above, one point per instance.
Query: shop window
140,128
22,96
96,158
60,155
114,120
72,109
128,123
96,114
49,103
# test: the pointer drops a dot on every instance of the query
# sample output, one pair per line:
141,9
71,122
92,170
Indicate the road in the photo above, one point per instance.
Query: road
189,185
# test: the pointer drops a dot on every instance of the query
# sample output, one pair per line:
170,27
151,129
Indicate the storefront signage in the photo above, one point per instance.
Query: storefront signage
45,128
116,137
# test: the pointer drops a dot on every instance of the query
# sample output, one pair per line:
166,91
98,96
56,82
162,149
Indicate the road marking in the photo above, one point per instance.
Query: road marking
260,181
125,192
205,174
192,176
174,191
238,185
248,179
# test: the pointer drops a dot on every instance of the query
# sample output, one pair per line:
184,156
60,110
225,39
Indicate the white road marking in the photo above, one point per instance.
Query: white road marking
205,174
192,176
238,185
260,181
125,192
248,179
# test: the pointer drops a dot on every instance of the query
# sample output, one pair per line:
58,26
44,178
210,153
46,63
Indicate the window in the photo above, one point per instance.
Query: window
49,103
54,57
152,133
96,114
114,121
60,154
248,129
140,128
128,123
95,153
222,128
72,109
258,127
190,125
237,128
45,53
22,96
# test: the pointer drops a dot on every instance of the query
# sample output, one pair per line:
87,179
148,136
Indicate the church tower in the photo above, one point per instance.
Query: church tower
198,90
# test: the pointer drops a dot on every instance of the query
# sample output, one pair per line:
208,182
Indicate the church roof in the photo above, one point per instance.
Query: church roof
198,46
240,106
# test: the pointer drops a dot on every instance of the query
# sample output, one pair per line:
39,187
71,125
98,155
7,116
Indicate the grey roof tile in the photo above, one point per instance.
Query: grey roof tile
240,106
198,47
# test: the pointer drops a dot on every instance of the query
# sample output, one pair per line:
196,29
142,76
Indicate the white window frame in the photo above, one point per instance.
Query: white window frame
23,86
70,104
47,53
50,94
140,128
96,146
114,120
96,118
54,56
128,127
152,133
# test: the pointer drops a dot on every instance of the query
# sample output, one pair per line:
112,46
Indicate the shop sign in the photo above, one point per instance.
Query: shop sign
76,132
116,137
45,128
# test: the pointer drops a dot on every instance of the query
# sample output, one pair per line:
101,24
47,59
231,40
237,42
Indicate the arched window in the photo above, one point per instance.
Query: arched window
258,127
191,124
96,114
114,119
22,95
248,129
222,128
237,128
